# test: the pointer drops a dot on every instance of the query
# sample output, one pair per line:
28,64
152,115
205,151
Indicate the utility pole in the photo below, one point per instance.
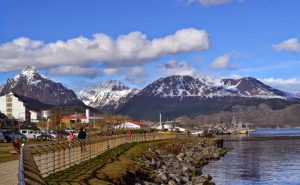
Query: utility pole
160,124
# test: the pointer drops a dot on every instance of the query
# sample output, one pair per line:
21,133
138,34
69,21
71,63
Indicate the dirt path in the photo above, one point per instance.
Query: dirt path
9,173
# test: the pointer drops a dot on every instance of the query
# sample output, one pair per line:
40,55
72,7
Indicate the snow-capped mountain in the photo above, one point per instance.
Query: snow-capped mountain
176,96
107,96
210,87
29,83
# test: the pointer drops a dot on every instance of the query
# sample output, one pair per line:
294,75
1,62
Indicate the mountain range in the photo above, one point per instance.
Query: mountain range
107,96
172,96
175,96
42,93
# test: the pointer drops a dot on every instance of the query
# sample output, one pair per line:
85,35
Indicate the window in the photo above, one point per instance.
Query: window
8,98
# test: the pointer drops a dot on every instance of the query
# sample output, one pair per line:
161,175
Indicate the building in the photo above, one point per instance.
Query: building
77,118
14,107
132,125
35,116
46,113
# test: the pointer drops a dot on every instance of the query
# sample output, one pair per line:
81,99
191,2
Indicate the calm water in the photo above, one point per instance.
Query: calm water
264,157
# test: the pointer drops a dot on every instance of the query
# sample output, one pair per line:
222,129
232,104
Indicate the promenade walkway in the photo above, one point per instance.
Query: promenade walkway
9,173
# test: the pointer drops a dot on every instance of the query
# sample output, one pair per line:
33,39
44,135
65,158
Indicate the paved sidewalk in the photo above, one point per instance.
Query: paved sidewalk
9,173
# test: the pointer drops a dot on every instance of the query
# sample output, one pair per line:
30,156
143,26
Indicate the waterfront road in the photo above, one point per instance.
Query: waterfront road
9,173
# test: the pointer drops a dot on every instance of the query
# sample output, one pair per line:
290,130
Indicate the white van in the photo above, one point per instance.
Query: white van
2,138
30,134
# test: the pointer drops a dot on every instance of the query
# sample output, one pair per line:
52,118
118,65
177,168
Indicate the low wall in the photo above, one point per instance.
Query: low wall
40,160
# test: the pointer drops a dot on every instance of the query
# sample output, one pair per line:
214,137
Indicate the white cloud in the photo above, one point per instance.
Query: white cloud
290,45
74,71
291,85
128,50
207,3
177,68
110,70
221,62
137,75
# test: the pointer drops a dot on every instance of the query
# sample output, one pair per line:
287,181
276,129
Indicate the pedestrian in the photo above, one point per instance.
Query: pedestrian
81,134
71,136
17,145
129,134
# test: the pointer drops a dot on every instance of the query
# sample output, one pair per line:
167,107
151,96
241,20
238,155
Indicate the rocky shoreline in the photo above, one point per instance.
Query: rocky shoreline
180,163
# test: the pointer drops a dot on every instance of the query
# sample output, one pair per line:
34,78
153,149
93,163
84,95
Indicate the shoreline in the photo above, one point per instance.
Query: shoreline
181,163
126,164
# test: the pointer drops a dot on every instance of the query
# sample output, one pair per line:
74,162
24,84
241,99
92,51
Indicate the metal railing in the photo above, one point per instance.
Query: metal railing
40,160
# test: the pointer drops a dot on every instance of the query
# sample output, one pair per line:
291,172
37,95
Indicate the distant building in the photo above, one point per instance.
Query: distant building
35,116
77,118
132,125
14,107
46,113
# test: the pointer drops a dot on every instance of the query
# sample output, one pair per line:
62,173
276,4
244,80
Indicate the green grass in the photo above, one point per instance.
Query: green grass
6,148
110,167
5,154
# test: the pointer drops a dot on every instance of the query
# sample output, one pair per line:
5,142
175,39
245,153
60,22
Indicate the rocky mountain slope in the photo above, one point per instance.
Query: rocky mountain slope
29,83
175,96
107,96
260,116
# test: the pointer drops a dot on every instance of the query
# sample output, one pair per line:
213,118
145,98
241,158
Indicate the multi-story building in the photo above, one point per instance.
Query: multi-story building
35,116
14,107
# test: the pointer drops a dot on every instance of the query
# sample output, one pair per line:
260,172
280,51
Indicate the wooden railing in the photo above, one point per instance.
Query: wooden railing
40,160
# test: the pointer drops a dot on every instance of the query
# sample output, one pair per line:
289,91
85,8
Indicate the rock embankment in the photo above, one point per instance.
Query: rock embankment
180,163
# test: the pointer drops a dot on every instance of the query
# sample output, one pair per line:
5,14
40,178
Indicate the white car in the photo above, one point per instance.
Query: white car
72,130
1,136
30,134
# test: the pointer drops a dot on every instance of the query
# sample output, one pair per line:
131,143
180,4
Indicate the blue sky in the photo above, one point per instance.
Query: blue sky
81,42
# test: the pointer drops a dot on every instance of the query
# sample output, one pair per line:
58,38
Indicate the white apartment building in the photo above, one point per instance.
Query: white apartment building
13,107
35,116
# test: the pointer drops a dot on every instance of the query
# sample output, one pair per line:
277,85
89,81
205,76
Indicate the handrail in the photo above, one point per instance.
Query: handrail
40,160
21,168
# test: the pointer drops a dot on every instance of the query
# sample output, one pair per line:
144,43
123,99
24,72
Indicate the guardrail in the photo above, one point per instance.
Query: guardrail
40,160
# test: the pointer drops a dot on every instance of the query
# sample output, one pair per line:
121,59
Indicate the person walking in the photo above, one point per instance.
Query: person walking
71,136
129,134
81,134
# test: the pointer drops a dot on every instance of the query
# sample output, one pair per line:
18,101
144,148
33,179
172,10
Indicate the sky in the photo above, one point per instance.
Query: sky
82,42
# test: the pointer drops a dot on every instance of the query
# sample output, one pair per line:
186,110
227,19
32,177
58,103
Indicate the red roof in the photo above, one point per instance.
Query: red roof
138,123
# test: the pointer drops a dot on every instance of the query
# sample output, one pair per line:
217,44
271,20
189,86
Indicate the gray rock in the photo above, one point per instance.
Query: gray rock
207,176
171,182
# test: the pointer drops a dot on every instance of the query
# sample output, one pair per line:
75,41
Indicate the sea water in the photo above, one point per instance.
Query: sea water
268,157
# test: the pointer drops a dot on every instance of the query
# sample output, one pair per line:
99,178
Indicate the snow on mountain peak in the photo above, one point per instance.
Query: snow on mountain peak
211,80
107,95
110,85
29,70
210,87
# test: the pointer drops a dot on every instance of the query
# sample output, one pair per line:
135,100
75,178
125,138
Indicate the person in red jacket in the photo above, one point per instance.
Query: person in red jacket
129,134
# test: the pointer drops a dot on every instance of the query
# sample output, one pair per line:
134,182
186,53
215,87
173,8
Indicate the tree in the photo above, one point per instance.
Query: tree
55,120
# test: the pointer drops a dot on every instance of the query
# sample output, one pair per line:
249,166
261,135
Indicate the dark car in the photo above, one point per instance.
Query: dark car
44,137
61,134
11,135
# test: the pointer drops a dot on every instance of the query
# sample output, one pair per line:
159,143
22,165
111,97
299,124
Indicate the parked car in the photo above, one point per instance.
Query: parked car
61,134
71,130
50,132
10,136
44,137
30,134
2,138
